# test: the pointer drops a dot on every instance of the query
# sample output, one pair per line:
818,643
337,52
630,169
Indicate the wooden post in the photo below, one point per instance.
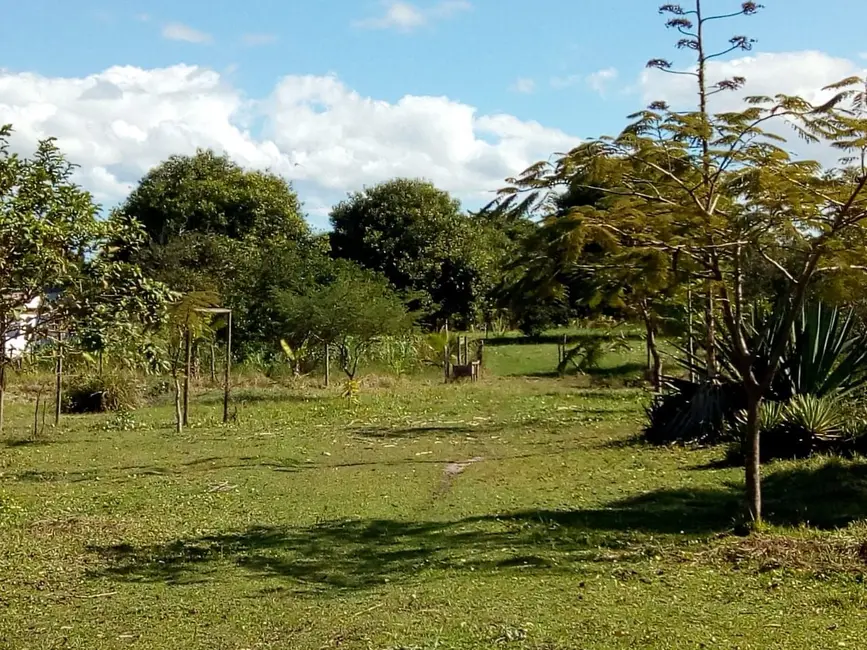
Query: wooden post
2,385
228,372
446,363
58,380
213,362
327,365
188,367
36,413
690,333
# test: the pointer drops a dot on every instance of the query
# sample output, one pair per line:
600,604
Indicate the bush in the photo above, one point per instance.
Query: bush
690,412
100,393
803,426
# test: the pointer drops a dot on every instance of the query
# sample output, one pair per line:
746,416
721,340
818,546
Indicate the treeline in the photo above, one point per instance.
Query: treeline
239,238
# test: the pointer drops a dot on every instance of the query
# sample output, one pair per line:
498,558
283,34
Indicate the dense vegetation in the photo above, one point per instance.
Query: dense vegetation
656,314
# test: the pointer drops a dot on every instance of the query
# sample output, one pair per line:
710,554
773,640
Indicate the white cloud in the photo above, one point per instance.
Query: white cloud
405,16
181,32
601,79
143,18
314,130
802,73
523,85
253,39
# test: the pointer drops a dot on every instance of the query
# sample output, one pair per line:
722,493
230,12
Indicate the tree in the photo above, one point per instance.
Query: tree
349,313
58,262
417,237
211,194
709,186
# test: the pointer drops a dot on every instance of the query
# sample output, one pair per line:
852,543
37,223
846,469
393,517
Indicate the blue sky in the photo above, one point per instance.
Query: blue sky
565,70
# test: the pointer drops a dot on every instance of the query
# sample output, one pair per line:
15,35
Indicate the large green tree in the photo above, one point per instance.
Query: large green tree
417,236
710,186
211,194
58,259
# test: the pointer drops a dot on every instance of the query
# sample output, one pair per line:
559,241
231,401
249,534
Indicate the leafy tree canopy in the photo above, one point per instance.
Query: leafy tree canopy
209,193
418,238
350,311
59,256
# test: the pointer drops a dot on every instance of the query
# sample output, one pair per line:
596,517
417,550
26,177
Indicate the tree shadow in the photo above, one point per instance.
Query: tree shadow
425,430
554,339
358,554
263,396
627,370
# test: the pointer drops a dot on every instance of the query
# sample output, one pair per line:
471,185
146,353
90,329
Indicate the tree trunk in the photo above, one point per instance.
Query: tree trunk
752,451
655,361
213,363
710,341
179,426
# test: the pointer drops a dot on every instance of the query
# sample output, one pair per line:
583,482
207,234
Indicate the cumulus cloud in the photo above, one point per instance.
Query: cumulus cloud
803,73
313,130
601,79
405,16
523,85
185,33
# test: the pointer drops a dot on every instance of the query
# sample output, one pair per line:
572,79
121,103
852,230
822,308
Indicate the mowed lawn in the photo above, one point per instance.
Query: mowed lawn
519,512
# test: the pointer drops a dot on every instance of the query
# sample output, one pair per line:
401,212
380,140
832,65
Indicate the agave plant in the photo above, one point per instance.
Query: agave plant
690,412
819,418
824,357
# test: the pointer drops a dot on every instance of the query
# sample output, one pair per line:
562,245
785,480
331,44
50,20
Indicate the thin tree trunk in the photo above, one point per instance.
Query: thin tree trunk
753,460
690,331
213,363
710,341
179,423
654,360
327,365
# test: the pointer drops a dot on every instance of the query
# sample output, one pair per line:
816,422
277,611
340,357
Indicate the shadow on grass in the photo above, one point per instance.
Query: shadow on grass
422,431
554,339
263,396
628,370
358,554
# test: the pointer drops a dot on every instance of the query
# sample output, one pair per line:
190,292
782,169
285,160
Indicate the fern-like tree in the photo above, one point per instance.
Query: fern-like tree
709,186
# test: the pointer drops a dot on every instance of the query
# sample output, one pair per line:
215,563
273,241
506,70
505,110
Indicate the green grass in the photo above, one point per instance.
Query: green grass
311,522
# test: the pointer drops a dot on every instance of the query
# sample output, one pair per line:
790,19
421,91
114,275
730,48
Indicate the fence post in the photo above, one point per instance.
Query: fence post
188,365
58,380
226,388
327,365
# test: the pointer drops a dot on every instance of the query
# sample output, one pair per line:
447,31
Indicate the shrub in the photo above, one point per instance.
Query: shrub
690,412
825,359
100,393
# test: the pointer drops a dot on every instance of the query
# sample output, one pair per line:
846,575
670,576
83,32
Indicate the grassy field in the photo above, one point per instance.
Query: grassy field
519,512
